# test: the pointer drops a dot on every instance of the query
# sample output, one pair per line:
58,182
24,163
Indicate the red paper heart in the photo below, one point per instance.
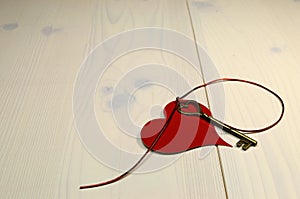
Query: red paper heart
182,133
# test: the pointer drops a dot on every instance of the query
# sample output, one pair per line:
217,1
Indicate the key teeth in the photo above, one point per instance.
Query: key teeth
239,143
246,146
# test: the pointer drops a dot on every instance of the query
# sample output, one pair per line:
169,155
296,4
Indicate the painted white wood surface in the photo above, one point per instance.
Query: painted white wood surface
259,41
43,45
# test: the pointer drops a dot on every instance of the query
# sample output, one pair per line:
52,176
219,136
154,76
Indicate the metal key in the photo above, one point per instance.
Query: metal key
245,141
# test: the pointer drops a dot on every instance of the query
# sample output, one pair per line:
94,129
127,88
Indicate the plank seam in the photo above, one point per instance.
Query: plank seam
206,93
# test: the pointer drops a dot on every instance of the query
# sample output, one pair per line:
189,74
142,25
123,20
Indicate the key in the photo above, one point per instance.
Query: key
245,141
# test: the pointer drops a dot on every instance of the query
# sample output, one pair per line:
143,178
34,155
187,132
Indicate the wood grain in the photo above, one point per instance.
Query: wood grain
42,47
258,41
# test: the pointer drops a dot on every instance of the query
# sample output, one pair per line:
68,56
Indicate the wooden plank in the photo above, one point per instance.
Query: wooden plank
42,47
258,41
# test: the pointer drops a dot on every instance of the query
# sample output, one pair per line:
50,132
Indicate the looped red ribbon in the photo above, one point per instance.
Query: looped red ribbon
176,133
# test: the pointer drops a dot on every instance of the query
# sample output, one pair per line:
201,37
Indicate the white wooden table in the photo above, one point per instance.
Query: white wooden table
43,45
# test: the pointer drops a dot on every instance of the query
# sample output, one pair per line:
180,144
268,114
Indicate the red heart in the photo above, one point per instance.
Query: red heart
182,133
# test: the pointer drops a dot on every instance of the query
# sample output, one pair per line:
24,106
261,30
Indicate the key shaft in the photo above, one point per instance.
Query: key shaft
244,139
